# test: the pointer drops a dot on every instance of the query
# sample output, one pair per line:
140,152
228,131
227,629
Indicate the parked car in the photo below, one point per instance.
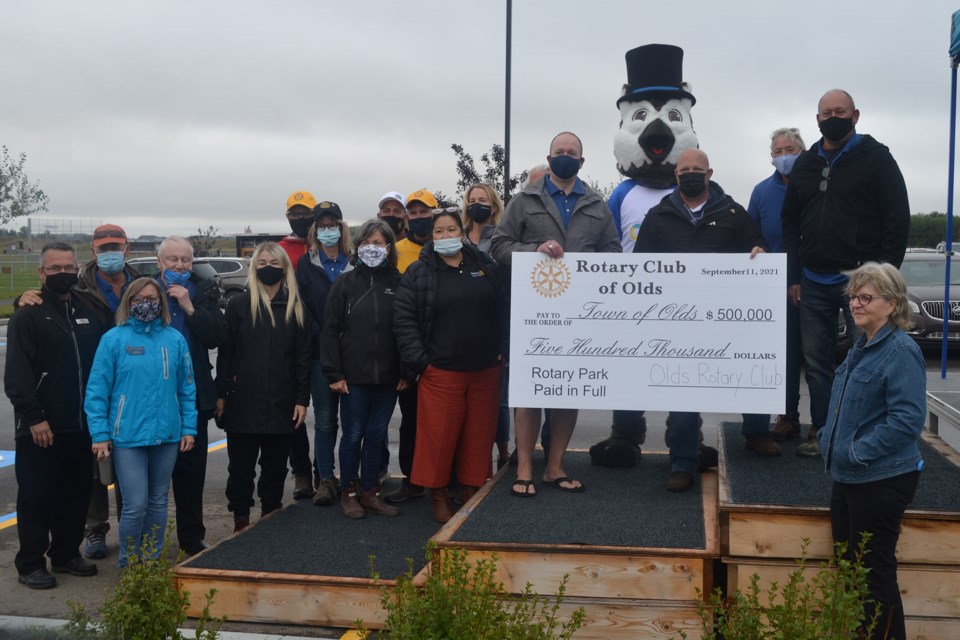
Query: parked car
924,273
233,272
148,266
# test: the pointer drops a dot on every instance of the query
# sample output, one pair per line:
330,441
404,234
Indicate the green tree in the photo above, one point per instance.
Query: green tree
18,196
492,173
930,229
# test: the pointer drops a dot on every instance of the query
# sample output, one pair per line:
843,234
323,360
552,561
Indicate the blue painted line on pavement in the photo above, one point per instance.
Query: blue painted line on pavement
7,458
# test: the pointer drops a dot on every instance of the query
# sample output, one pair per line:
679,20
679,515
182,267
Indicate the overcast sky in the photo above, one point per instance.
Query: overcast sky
166,116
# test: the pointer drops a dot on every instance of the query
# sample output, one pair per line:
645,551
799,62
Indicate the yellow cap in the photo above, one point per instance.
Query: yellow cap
304,198
424,196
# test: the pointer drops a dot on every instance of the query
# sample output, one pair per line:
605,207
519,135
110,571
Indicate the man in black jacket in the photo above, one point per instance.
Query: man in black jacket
846,204
194,312
700,218
51,346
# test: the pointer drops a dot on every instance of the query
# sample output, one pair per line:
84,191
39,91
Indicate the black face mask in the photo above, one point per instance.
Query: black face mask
60,283
420,227
692,185
301,227
479,212
396,224
269,275
835,129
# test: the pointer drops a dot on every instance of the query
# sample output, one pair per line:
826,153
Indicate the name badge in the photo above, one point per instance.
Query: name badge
136,351
82,321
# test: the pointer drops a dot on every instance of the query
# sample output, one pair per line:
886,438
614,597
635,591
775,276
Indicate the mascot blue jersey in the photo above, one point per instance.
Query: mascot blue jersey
629,204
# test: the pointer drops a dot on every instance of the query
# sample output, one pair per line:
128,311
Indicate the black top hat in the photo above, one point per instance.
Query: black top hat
655,69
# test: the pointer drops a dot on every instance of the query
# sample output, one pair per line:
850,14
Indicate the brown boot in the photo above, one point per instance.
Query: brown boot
240,523
442,507
350,504
302,486
371,501
467,492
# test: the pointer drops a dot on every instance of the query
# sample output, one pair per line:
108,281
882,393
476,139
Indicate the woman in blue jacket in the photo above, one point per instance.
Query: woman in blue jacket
870,442
141,406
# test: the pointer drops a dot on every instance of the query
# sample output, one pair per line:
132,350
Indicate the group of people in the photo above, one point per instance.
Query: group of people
414,311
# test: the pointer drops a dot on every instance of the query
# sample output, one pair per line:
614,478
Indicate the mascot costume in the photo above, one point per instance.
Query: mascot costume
655,128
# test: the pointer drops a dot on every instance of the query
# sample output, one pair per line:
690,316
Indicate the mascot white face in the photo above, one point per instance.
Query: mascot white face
654,131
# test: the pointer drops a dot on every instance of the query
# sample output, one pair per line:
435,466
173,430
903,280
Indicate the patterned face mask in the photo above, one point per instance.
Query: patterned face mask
145,311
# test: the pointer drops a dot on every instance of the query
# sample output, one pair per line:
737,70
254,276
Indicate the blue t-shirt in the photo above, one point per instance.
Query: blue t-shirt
107,290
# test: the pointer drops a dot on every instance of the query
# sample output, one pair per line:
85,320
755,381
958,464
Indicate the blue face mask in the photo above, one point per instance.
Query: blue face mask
172,277
111,262
564,167
328,237
448,246
784,164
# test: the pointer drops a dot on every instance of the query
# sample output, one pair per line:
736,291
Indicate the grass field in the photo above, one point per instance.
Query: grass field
18,273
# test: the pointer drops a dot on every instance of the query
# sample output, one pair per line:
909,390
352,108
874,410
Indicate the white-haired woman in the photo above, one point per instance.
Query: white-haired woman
870,441
263,381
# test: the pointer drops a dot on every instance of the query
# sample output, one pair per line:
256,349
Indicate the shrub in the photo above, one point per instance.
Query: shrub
830,606
462,600
145,604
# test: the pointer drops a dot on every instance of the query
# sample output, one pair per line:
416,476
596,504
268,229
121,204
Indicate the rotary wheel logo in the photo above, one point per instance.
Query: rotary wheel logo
550,278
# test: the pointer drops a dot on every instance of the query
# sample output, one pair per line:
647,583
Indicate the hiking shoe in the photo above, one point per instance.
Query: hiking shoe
404,492
302,486
680,481
785,428
763,444
326,493
810,448
95,547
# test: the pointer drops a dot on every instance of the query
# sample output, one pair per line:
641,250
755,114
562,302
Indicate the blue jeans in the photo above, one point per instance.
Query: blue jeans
683,436
145,474
325,403
819,304
365,414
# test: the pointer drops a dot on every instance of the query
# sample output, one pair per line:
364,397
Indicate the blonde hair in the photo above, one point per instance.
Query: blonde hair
495,203
888,283
345,244
132,291
258,295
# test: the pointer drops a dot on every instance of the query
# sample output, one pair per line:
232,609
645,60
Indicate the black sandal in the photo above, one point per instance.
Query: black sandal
527,484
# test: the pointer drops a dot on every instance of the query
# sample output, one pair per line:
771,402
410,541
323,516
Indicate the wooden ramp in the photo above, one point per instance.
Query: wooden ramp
765,538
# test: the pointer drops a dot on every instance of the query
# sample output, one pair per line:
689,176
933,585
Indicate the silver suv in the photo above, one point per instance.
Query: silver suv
233,272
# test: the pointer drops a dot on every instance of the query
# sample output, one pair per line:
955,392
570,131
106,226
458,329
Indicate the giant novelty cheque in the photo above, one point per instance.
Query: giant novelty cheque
680,332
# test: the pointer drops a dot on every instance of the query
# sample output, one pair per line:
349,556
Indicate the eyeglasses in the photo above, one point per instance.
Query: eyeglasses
863,299
300,215
332,225
443,210
109,233
825,174
140,299
57,268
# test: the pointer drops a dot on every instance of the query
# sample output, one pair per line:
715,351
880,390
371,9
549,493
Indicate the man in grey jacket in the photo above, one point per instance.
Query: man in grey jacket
559,213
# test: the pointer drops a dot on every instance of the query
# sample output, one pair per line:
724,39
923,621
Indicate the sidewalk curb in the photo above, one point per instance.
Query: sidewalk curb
22,623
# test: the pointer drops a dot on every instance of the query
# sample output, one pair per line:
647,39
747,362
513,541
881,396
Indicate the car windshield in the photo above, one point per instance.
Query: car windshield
928,273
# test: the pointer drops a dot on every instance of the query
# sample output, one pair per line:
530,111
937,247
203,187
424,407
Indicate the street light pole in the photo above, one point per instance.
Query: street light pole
506,114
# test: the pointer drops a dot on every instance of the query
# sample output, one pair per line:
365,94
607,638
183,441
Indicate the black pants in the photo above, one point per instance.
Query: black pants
408,428
300,453
243,451
53,491
877,508
189,475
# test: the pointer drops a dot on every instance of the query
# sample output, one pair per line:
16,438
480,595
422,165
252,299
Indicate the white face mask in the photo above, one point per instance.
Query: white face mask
448,246
372,255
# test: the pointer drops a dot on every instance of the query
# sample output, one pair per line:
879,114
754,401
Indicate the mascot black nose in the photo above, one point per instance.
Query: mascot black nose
656,140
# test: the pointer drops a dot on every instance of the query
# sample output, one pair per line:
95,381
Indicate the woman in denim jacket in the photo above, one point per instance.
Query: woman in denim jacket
870,441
